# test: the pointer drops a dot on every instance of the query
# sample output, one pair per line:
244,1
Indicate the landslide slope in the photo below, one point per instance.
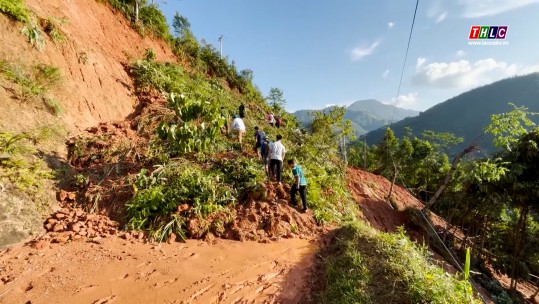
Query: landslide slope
95,86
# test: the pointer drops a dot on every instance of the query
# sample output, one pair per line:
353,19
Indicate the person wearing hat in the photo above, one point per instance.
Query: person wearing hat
237,126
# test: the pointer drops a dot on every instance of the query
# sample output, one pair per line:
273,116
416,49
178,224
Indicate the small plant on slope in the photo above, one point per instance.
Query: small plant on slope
15,9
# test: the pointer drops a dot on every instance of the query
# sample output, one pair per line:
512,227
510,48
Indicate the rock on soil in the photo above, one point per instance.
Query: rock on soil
72,224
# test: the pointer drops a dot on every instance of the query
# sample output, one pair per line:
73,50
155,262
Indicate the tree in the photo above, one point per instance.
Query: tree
276,99
181,25
247,75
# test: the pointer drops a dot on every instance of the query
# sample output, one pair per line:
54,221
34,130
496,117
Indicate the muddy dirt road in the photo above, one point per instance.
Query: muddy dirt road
121,271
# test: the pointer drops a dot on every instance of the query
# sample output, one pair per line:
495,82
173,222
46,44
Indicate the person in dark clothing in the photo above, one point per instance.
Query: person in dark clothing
264,154
259,137
299,185
241,110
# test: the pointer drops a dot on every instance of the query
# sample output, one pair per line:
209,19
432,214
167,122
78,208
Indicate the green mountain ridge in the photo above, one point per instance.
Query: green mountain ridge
467,114
366,115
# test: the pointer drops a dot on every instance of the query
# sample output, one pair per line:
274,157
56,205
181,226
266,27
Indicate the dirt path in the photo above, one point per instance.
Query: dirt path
120,271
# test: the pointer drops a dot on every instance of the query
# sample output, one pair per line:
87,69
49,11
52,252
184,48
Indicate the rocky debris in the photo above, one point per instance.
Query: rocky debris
257,221
71,224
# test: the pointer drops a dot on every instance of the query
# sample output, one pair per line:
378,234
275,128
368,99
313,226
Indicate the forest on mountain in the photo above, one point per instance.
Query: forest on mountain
467,114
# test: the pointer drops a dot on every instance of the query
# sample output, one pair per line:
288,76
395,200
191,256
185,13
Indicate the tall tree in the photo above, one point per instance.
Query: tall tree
276,99
181,25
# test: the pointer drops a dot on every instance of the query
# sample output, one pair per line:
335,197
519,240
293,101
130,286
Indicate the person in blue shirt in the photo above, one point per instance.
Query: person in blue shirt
299,185
259,138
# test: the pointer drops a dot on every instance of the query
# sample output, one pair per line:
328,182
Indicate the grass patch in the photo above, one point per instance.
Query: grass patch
34,34
15,9
366,266
19,163
51,26
33,84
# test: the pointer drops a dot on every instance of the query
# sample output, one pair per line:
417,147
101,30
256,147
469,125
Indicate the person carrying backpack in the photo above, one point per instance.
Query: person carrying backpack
264,154
259,137
299,185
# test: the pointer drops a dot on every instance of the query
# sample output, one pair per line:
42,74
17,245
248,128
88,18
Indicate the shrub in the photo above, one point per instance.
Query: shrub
52,105
15,9
34,84
158,195
51,26
364,262
34,35
154,21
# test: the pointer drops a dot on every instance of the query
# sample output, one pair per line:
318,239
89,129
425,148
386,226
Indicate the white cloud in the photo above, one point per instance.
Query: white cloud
327,105
464,74
390,24
461,53
360,52
441,17
385,74
481,8
436,11
405,101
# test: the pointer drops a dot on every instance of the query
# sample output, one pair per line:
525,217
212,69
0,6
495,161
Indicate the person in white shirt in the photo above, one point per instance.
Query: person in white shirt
237,126
271,119
277,153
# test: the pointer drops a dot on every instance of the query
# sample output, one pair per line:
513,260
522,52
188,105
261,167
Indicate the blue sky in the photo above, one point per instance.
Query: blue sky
336,52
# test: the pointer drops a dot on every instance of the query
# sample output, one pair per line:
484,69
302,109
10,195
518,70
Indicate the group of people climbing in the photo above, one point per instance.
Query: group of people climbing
274,121
271,153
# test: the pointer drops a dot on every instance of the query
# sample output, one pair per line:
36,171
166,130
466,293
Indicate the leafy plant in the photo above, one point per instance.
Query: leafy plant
21,168
197,125
34,84
15,9
46,75
158,195
53,105
34,35
51,26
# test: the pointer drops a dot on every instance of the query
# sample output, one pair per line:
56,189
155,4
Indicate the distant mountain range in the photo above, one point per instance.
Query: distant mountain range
366,115
467,114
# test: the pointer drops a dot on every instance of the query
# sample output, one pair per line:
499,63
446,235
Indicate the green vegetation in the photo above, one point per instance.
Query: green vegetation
15,9
186,141
363,263
34,34
467,114
145,17
19,163
33,84
276,99
491,198
51,26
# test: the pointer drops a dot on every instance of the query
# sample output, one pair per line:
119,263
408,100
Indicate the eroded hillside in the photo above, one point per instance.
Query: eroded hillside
94,86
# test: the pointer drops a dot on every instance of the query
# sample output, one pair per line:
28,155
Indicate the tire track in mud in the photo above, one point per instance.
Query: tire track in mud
119,271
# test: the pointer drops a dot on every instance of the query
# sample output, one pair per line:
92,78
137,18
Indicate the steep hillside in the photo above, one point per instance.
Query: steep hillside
94,85
366,115
467,114
77,80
